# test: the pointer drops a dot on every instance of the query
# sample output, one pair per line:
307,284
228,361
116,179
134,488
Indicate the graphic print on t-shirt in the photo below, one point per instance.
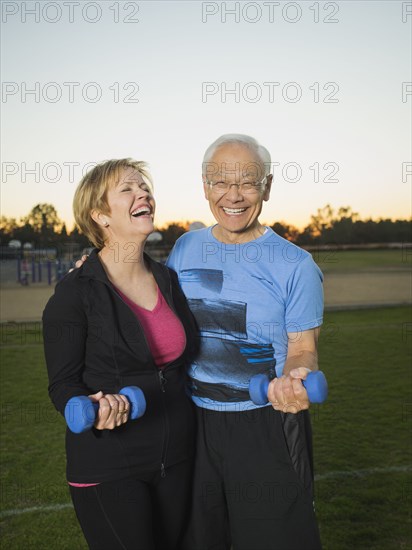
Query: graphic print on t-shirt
247,298
224,348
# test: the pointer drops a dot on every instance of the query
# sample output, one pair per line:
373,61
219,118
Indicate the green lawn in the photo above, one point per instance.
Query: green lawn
362,438
365,427
32,456
334,260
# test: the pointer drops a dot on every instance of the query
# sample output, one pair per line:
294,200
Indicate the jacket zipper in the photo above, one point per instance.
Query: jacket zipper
162,381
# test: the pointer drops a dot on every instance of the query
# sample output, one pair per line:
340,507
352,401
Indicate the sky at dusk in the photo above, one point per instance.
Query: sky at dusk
324,86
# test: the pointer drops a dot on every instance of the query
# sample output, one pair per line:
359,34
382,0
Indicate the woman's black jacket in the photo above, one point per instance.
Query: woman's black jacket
93,342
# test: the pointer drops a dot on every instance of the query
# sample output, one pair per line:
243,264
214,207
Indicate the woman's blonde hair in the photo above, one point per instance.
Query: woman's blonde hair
91,194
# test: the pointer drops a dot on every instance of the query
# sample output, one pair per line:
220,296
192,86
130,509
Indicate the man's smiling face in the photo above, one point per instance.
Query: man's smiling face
236,211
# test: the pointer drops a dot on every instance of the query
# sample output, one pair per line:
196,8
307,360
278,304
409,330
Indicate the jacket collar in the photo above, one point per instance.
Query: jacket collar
93,269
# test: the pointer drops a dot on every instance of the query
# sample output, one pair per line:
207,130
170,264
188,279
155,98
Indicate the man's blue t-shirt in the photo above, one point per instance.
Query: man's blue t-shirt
245,298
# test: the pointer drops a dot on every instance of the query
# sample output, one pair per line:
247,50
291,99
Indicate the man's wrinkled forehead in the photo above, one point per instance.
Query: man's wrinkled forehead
225,170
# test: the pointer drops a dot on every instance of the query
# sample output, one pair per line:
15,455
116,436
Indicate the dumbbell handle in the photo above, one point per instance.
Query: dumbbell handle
315,385
80,411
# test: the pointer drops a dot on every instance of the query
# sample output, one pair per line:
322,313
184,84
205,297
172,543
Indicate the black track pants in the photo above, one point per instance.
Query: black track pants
136,514
253,482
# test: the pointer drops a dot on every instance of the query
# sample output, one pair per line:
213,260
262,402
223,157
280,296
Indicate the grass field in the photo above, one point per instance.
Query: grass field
335,260
362,438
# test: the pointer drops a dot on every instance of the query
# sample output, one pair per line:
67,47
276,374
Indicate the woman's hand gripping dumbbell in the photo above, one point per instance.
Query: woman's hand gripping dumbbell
80,412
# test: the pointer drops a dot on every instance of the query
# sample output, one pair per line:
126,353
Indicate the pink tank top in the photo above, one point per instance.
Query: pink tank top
164,334
163,330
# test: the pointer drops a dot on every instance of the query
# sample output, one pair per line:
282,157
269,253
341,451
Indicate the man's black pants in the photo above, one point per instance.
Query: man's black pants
253,482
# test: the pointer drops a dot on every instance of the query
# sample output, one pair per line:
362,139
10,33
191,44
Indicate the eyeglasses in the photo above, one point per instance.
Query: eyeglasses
247,187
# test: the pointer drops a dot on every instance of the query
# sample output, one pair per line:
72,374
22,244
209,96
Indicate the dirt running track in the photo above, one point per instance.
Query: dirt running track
342,290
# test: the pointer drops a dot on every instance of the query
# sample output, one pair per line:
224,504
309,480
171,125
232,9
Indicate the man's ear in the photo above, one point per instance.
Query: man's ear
206,188
268,187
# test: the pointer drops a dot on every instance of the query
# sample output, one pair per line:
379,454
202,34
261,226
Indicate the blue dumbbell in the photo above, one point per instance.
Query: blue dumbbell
315,385
80,412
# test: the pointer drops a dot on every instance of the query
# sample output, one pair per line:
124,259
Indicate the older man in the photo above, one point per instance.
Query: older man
258,303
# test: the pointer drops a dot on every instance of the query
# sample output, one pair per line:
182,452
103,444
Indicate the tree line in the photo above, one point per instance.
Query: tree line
43,228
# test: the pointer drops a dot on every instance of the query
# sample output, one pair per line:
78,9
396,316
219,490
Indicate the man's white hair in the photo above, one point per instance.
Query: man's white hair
238,139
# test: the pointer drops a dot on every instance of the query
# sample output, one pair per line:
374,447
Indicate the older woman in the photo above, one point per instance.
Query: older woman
121,320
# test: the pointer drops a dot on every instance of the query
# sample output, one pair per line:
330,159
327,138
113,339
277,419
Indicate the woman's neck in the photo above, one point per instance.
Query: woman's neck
124,261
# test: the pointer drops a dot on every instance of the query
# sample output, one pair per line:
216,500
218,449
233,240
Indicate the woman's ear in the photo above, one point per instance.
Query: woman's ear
99,218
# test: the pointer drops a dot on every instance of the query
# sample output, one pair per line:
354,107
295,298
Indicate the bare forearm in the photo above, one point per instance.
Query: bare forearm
306,359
